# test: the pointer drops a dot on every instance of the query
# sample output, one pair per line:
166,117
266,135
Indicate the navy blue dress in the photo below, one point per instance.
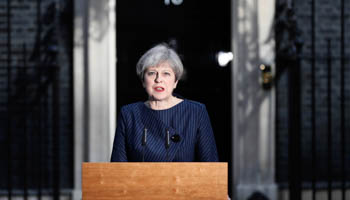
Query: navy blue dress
187,124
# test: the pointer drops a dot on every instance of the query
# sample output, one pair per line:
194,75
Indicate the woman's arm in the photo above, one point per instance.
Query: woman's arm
119,148
206,146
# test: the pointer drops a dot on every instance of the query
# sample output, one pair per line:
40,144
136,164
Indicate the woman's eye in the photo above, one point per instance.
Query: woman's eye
150,73
167,73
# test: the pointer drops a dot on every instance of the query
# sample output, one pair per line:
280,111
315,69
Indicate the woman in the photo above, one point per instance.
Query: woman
165,128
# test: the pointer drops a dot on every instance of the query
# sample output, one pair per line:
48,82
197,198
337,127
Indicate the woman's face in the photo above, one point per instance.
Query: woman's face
159,81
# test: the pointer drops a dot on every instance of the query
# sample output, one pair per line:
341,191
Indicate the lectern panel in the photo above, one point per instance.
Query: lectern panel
107,181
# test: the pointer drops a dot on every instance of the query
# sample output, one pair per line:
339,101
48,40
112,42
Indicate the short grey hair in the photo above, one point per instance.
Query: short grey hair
156,55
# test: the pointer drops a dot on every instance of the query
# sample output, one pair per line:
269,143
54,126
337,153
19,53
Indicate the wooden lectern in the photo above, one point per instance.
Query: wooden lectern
107,181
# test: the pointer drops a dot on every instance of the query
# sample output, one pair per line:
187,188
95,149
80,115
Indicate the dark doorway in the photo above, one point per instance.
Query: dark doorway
198,30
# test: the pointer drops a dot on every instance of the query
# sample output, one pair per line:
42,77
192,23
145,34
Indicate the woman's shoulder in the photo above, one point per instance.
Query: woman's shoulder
132,107
194,104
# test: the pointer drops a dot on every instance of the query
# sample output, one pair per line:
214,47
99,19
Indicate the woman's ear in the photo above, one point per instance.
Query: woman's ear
143,81
176,83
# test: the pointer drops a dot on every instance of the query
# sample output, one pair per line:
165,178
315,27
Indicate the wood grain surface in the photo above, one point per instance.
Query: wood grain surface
106,181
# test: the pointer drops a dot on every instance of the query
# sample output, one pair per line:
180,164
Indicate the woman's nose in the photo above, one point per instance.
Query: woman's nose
158,79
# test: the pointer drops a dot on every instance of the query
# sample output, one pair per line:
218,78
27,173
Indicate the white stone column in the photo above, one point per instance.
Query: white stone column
253,107
94,77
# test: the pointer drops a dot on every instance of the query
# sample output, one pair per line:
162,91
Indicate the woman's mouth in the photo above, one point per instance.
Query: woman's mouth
158,89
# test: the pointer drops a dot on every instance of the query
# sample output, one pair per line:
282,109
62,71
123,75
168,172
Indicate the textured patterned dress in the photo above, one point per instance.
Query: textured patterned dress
182,133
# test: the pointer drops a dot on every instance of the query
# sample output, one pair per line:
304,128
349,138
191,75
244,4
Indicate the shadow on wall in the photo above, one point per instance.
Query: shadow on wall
100,21
97,16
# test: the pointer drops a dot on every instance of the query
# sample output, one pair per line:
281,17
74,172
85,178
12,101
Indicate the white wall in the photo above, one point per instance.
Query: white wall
253,107
94,83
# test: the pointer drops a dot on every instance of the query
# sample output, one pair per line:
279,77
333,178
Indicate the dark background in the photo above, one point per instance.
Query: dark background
199,29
